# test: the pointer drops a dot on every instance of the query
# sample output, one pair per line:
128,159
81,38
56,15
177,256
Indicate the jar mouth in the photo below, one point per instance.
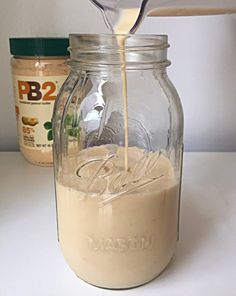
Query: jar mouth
105,49
109,42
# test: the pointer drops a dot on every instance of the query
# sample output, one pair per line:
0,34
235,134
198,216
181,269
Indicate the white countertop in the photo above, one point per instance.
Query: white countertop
31,263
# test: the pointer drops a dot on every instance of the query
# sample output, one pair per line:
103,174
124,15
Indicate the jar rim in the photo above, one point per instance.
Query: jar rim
114,35
105,50
132,41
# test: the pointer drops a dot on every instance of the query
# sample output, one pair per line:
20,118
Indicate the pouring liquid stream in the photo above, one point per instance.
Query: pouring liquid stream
127,18
122,28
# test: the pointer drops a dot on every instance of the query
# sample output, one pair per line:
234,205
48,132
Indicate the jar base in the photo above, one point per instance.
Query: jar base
131,286
39,158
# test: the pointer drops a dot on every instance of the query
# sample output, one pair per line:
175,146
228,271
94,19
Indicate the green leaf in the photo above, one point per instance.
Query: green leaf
74,132
50,136
48,125
68,120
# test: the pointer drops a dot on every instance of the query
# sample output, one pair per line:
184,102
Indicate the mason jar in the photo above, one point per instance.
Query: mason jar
118,171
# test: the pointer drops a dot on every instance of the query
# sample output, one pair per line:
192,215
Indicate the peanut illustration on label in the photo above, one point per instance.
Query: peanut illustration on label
31,121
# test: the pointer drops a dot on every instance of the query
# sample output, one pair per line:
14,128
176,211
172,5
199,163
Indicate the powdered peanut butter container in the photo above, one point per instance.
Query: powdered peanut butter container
38,71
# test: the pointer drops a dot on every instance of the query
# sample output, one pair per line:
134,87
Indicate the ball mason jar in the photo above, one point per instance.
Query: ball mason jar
118,226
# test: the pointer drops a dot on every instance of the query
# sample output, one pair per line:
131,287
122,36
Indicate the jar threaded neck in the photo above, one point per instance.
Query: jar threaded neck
104,50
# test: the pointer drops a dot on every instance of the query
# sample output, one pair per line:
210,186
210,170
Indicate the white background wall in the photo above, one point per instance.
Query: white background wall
203,53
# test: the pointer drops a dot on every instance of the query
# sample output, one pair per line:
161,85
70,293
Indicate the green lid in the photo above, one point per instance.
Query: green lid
39,46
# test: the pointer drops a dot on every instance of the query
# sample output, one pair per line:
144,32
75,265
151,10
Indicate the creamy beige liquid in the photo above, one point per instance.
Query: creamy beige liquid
126,21
118,219
117,229
118,207
127,17
183,11
121,42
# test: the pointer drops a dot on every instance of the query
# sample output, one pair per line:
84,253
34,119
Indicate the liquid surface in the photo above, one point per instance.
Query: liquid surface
123,223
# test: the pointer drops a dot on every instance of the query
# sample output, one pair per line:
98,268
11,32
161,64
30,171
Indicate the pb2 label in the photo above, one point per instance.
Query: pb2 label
36,91
34,100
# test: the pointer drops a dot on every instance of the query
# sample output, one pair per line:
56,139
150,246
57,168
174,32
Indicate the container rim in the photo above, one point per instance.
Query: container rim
109,41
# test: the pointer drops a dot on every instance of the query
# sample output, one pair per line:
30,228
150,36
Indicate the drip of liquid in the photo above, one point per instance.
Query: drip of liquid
127,19
125,98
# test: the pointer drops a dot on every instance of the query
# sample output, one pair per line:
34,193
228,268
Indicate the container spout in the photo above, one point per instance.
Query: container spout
116,11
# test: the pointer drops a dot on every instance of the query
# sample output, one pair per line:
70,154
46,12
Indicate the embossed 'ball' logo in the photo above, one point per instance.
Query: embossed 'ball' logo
104,178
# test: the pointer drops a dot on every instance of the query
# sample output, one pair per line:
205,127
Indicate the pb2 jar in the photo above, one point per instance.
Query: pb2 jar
38,71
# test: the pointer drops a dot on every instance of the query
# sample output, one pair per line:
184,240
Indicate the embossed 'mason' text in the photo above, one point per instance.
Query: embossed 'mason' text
137,243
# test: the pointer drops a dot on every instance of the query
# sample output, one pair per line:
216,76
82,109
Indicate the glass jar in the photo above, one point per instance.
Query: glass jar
118,226
38,70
